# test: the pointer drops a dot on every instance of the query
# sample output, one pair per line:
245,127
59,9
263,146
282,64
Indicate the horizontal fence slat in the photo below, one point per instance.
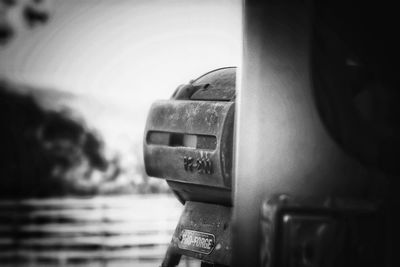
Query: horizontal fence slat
112,202
103,229
104,241
131,253
108,215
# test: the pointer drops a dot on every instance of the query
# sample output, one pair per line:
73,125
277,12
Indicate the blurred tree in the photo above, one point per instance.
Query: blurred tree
47,152
31,12
44,152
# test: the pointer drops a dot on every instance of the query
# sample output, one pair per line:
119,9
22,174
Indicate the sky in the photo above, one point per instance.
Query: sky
117,57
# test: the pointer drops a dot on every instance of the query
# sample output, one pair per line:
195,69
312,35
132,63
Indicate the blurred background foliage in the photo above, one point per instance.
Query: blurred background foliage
30,13
49,152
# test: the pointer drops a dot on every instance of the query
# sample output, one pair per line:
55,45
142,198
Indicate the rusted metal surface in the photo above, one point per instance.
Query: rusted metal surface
189,141
223,78
203,232
182,163
189,138
217,85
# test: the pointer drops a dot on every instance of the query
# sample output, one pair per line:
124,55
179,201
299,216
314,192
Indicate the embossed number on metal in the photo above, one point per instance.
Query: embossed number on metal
196,241
201,165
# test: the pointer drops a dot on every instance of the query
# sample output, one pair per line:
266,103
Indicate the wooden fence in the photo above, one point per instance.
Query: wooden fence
102,231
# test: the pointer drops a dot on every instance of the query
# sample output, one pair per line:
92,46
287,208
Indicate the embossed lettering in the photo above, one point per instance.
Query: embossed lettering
201,165
196,241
